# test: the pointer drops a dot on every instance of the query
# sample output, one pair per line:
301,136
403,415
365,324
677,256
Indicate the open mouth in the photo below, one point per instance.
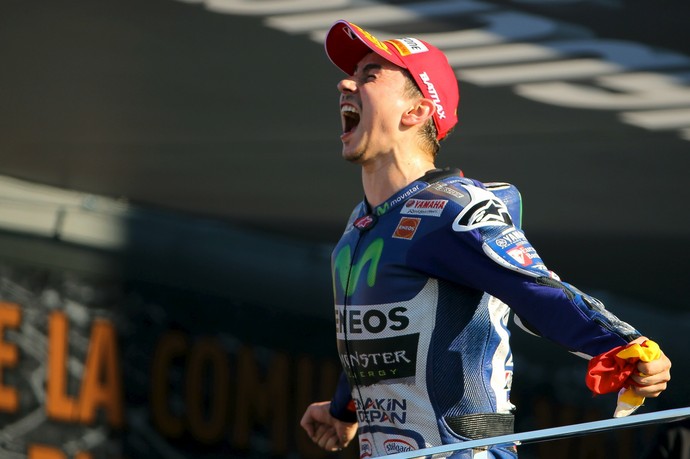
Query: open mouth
350,118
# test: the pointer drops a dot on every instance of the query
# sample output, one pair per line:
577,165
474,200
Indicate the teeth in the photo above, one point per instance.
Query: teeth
348,109
350,117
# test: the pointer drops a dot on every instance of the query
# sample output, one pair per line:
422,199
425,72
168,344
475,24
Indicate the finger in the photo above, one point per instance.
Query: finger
308,425
309,421
323,433
651,386
328,439
320,431
346,431
660,365
652,376
333,443
648,384
648,377
650,391
344,440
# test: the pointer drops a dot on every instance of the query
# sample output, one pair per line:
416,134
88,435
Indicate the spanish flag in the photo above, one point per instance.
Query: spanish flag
611,371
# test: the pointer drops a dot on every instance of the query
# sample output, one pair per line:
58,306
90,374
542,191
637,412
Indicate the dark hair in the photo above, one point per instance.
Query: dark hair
429,133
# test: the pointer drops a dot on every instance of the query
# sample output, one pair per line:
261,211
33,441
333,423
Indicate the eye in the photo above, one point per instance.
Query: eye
370,77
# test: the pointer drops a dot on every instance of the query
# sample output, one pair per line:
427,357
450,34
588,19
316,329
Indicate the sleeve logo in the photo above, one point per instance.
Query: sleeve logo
487,212
523,255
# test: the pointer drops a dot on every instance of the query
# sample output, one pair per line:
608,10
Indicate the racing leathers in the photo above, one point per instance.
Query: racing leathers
422,286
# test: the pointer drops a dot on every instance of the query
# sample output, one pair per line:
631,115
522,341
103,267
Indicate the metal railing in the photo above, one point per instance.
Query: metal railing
480,446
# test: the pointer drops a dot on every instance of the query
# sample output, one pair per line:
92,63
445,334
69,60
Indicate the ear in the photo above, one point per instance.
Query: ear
419,113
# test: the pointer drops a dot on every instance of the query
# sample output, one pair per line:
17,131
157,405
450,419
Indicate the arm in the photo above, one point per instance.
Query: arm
553,309
484,249
546,306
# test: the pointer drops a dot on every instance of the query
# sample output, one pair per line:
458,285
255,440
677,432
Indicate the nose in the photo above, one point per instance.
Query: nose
347,85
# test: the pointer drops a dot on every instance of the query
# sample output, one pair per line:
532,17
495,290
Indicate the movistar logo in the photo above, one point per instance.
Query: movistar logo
382,209
385,207
347,273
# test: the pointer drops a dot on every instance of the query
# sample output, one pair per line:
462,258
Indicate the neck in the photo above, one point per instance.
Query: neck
388,175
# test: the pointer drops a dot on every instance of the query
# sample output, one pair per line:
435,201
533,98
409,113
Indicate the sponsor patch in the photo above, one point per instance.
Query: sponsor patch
381,435
370,361
510,238
424,207
397,445
512,250
451,191
370,320
406,228
372,39
522,254
386,206
382,410
407,46
364,223
365,449
433,94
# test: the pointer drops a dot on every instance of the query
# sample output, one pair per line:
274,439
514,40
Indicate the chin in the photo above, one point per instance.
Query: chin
352,156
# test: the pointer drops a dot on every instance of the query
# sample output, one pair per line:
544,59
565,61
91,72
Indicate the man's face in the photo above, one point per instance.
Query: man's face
372,102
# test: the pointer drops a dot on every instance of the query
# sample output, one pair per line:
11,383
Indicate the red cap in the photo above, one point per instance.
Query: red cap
347,44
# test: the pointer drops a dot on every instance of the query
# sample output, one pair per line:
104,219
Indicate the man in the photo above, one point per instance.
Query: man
426,267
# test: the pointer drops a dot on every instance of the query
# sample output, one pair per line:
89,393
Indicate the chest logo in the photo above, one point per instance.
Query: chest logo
347,273
406,228
424,207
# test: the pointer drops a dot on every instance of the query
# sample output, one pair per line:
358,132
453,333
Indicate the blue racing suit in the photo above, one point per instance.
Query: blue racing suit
422,286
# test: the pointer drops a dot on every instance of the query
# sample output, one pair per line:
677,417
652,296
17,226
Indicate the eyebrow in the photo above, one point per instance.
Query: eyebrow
369,67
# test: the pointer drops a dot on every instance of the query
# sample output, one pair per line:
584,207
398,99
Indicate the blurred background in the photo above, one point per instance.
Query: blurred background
171,188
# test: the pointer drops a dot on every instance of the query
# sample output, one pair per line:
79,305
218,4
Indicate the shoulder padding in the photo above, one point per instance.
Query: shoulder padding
495,211
487,206
510,196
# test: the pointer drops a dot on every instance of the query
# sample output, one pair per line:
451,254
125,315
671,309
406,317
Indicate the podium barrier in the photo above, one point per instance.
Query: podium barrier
554,433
